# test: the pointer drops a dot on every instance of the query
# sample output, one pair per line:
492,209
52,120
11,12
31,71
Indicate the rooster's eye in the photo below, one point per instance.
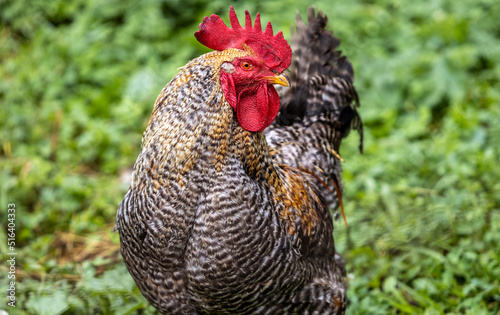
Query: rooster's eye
246,65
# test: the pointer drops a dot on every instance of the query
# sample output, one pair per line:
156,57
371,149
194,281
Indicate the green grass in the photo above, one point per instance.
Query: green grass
78,81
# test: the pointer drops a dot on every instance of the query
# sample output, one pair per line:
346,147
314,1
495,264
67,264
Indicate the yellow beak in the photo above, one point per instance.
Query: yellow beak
281,79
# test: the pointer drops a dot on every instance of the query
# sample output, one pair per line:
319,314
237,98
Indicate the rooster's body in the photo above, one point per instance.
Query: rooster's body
222,218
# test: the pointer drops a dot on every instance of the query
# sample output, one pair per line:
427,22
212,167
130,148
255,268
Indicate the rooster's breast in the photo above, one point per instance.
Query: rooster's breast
237,253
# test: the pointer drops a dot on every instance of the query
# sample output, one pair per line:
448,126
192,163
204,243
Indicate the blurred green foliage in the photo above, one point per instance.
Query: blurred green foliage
78,81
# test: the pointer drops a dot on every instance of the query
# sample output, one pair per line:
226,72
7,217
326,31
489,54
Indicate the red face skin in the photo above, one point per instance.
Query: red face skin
248,89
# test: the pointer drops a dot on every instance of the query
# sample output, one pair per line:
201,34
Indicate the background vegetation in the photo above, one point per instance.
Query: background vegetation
77,83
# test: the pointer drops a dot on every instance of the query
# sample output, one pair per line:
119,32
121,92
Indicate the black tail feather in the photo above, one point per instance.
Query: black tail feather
321,78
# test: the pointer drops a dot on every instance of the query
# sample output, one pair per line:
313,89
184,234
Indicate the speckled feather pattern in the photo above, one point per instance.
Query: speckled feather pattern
219,220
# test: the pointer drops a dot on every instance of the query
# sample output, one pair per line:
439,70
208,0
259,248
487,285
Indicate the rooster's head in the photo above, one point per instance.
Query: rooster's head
247,81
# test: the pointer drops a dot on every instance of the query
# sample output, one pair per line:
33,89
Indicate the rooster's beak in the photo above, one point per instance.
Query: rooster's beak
281,79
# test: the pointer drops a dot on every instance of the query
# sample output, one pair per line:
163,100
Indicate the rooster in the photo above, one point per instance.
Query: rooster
228,208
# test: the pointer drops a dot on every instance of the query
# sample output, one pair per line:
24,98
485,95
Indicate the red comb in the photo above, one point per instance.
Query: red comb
274,50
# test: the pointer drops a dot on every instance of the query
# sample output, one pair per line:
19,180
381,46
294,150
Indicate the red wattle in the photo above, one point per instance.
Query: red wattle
256,111
274,105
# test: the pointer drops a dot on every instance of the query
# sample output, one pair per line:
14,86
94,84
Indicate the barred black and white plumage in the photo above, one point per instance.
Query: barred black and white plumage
319,107
222,220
